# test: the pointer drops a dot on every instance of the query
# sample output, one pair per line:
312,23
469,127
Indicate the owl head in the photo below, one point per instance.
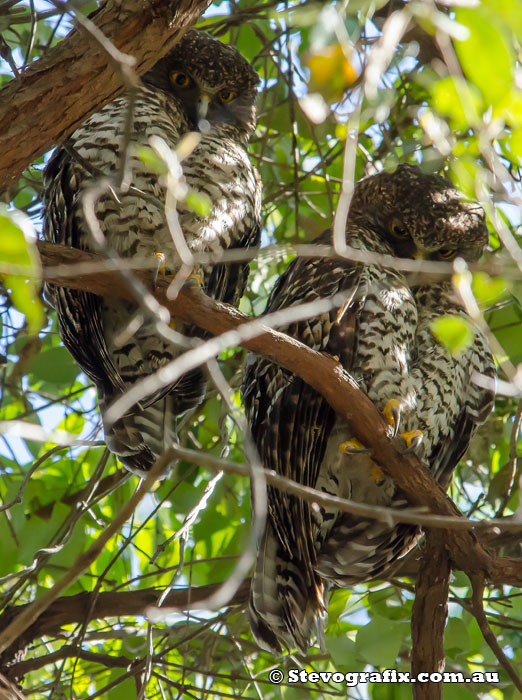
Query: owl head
420,215
211,80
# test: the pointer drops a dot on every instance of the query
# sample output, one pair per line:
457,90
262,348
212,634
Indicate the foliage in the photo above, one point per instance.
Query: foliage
443,89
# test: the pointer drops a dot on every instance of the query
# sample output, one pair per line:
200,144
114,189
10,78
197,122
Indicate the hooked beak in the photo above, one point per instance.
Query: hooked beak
203,104
419,255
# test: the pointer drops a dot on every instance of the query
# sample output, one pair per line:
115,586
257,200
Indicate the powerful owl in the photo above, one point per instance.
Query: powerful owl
201,86
382,336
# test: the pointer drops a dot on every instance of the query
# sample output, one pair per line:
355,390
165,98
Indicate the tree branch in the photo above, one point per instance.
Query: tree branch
430,611
324,374
83,607
477,585
55,94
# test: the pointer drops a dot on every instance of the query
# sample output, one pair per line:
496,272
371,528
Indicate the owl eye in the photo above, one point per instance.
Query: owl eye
226,95
398,230
180,79
447,252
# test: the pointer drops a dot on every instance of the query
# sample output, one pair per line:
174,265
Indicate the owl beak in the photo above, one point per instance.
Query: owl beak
204,102
419,255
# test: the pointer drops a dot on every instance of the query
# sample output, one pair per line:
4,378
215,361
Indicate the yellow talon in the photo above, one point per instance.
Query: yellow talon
160,269
351,446
412,438
376,473
392,414
197,277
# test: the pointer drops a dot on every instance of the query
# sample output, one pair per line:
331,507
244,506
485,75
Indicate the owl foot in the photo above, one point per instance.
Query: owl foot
392,415
413,439
351,446
195,278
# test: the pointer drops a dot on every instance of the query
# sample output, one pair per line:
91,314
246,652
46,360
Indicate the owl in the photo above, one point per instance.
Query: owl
201,86
382,335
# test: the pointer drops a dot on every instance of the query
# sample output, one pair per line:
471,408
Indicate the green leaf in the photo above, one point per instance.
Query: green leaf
458,99
248,43
486,55
199,202
337,604
510,108
343,652
38,532
18,247
392,691
72,423
54,365
380,640
459,692
488,290
454,332
126,690
151,159
456,635
510,11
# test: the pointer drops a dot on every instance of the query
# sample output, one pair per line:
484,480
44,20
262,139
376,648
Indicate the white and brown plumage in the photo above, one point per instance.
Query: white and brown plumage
199,78
383,339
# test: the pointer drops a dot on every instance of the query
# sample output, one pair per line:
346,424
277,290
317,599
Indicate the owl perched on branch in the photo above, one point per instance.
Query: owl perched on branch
201,86
383,337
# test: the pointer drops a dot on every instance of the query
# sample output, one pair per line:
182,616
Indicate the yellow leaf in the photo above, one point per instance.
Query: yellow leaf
331,72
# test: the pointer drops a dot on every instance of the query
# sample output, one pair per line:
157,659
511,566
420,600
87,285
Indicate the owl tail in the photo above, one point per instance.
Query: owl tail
141,436
286,599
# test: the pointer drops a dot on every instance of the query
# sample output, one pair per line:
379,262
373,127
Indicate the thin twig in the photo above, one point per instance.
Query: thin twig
478,585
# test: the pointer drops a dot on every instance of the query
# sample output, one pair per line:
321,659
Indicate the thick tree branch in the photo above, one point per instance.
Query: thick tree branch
430,611
55,94
325,375
83,607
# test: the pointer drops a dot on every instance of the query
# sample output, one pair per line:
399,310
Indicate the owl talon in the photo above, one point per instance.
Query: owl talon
413,439
160,268
194,279
392,415
351,446
377,474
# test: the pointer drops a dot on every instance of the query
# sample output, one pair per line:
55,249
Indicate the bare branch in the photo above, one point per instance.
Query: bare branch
84,607
477,583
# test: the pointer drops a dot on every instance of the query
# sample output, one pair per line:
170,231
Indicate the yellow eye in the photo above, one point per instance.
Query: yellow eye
397,230
180,79
447,252
226,95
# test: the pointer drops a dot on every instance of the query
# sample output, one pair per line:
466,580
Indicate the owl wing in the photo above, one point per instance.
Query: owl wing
227,281
456,377
79,312
287,416
241,200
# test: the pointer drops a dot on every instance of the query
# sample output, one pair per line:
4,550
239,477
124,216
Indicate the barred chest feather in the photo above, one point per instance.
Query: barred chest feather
134,222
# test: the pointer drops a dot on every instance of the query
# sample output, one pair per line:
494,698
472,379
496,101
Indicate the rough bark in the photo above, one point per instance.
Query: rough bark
78,77
430,611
